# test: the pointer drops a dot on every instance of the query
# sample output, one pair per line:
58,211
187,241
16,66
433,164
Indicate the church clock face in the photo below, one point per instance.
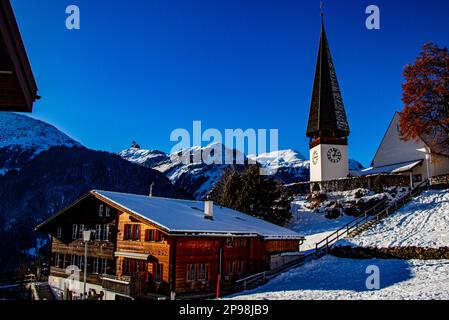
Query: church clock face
315,157
334,155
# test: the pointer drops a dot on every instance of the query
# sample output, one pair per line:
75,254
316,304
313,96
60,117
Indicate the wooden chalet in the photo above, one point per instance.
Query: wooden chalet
18,90
146,247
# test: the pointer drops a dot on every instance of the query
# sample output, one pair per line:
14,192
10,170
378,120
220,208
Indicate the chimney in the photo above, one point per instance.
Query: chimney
209,209
151,189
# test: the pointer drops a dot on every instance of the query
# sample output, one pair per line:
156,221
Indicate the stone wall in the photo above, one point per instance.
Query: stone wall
401,253
340,185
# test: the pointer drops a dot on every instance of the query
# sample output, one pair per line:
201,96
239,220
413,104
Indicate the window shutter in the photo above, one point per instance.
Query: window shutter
125,233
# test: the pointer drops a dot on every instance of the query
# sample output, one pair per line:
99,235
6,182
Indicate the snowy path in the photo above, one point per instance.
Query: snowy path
332,278
312,225
424,222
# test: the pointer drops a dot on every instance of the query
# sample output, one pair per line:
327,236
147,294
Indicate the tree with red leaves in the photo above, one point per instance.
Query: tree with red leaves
426,98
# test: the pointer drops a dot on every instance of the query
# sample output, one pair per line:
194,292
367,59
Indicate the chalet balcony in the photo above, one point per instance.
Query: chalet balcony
130,286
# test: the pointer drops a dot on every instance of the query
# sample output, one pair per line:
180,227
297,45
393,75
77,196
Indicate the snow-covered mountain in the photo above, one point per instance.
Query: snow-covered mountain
289,166
22,138
146,158
54,170
195,170
356,166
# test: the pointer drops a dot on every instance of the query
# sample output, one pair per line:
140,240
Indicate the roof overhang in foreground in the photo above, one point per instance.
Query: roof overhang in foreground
18,89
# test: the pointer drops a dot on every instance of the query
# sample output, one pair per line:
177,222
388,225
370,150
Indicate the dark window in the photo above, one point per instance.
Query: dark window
234,267
153,235
58,260
74,231
98,228
59,232
80,231
157,272
104,266
132,232
203,274
127,232
101,211
149,235
105,236
136,232
191,273
96,266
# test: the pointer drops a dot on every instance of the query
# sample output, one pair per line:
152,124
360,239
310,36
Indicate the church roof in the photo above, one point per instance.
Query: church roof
327,111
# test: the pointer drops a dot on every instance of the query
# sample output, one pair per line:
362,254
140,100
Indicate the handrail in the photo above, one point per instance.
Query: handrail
355,221
379,209
250,278
362,220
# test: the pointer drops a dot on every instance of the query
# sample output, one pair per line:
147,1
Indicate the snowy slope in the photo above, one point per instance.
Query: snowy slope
332,278
424,222
22,138
19,130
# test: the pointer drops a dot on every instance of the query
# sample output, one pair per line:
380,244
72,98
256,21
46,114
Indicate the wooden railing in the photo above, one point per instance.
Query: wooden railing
126,285
374,214
442,180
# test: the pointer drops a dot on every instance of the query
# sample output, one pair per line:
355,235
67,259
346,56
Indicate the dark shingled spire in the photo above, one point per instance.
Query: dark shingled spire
327,112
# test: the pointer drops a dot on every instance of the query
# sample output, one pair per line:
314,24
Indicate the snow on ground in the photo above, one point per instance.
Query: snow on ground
332,278
314,224
424,222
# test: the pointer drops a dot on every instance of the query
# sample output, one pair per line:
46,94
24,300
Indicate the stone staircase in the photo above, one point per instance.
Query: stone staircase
44,292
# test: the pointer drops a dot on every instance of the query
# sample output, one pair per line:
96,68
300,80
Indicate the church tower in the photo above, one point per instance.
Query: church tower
328,127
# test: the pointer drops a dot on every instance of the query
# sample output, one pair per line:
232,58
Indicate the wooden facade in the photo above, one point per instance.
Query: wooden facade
145,260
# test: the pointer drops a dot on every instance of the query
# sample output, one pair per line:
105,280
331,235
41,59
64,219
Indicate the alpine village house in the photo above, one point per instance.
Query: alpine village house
148,247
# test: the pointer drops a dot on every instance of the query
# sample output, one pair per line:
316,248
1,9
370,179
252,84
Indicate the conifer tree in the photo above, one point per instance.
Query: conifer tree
253,194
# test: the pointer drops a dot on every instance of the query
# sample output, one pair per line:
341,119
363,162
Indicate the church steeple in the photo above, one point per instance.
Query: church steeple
327,118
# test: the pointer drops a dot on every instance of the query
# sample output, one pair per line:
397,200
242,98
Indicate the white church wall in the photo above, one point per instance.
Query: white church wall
393,150
440,165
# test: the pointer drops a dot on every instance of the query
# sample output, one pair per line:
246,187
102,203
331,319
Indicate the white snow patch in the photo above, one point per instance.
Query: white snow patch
424,222
332,278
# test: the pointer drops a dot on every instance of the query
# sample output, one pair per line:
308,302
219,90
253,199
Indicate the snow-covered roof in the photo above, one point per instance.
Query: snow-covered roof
186,216
394,168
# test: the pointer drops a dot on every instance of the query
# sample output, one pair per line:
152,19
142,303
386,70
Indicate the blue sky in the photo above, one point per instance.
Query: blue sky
139,69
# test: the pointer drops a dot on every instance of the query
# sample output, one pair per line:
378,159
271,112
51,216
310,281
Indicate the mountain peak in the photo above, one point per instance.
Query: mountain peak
26,132
22,138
